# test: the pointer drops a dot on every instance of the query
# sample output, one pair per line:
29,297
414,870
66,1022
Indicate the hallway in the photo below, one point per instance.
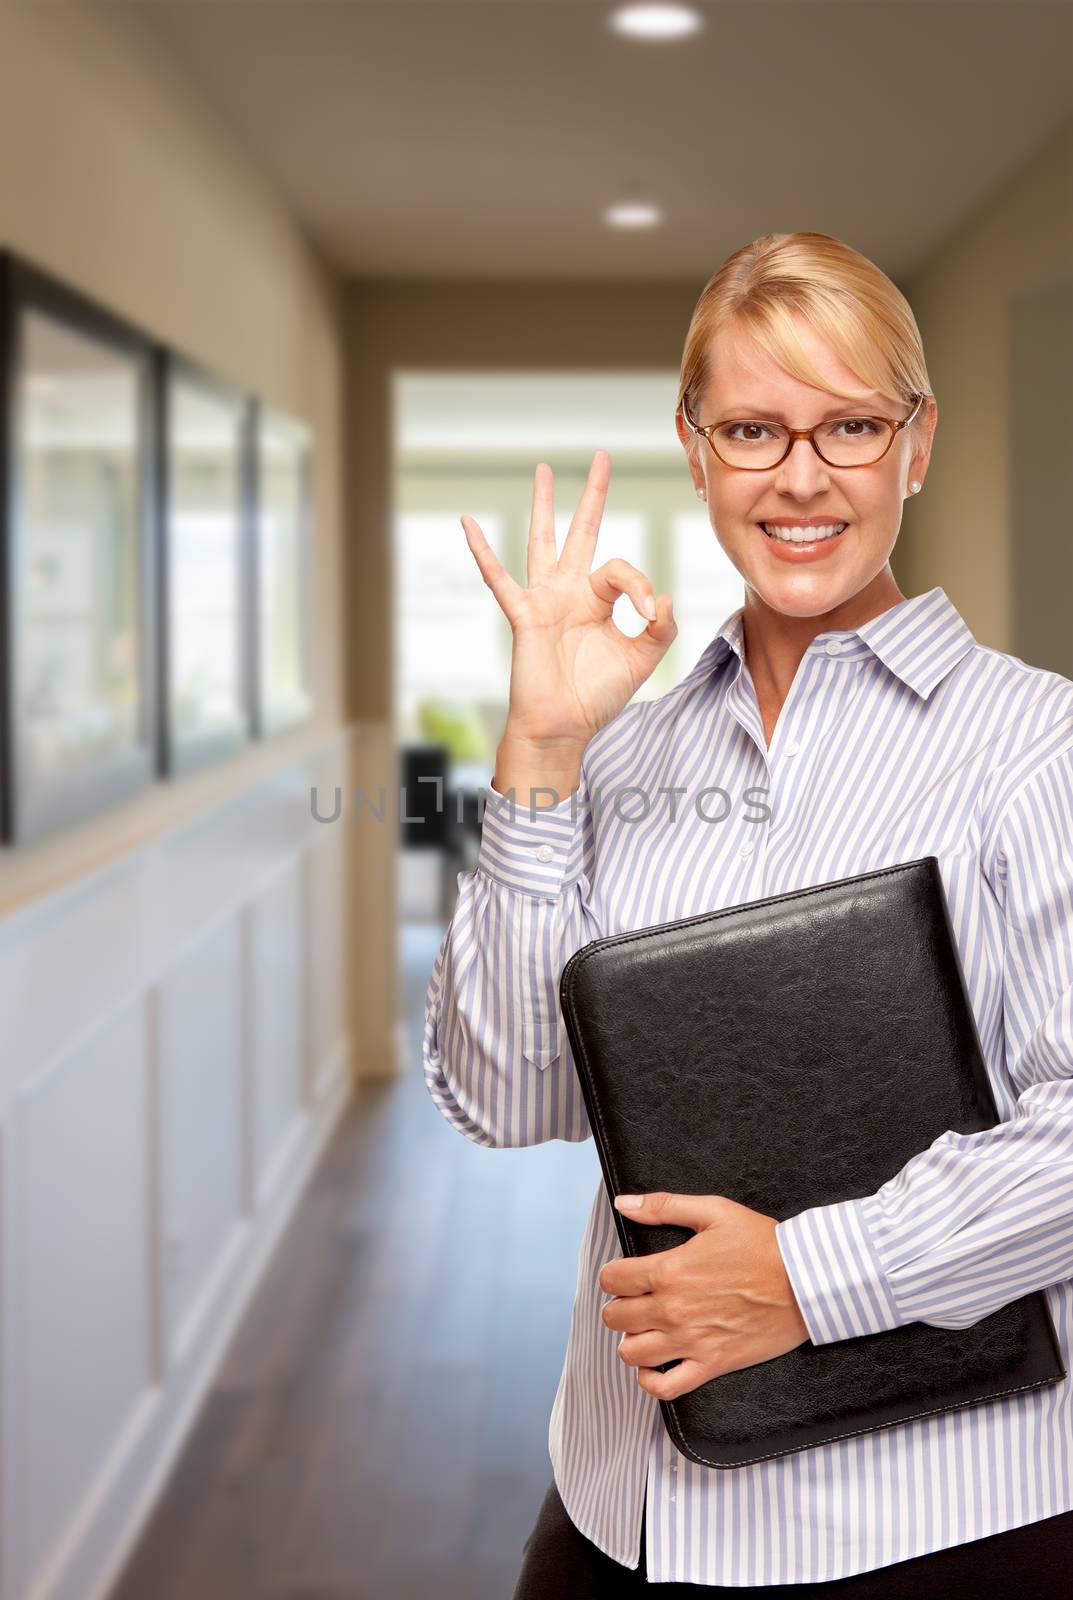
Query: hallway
282,301
378,1429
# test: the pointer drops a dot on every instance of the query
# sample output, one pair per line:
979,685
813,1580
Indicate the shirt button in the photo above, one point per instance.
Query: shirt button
792,748
545,853
834,647
748,847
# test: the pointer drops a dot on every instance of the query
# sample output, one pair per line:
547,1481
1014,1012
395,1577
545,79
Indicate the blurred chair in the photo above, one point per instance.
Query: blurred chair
438,815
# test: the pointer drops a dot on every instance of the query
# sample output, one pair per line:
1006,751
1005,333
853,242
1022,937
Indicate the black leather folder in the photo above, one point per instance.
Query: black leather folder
791,1052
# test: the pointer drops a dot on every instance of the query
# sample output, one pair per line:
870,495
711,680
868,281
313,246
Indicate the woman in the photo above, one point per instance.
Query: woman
875,729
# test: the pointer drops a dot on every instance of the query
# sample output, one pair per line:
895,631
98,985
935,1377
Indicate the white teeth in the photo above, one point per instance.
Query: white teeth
803,535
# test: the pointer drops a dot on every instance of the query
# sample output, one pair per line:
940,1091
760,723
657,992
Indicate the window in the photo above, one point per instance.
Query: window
707,587
454,642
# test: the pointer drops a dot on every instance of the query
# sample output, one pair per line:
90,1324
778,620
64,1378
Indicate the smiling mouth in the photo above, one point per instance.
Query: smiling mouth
832,530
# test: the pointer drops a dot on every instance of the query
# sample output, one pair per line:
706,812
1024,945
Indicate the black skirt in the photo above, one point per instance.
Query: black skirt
1035,1560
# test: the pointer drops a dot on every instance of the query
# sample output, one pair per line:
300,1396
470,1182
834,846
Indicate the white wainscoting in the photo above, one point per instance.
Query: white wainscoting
174,1055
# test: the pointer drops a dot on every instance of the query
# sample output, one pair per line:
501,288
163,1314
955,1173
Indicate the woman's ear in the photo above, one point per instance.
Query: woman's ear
685,432
918,464
689,445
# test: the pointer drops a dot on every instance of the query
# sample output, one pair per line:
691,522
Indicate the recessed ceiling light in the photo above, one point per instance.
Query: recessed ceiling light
656,21
633,214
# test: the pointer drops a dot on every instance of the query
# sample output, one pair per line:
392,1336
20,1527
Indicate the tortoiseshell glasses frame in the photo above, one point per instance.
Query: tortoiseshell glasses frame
793,434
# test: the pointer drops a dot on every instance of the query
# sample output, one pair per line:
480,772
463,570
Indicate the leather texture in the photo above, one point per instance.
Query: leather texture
790,1052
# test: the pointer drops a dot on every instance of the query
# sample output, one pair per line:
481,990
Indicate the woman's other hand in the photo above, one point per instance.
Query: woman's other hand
572,669
718,1302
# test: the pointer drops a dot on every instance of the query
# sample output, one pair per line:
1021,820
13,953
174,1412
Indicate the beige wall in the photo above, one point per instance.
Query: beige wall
962,532
116,176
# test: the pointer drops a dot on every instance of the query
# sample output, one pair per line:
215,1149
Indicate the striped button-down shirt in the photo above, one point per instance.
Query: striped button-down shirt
901,738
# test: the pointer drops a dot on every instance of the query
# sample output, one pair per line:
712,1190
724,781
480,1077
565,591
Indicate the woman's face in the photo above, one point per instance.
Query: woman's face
746,384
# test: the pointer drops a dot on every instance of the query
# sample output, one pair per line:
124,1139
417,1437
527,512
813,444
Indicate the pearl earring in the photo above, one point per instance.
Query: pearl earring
700,494
915,486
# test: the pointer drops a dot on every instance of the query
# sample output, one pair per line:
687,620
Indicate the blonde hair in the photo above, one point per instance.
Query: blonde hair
848,300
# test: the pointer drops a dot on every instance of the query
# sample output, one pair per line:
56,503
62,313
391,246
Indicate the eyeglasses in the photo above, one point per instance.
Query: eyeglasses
770,443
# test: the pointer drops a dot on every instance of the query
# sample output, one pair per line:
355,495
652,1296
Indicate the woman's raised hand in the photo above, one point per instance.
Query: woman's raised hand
572,669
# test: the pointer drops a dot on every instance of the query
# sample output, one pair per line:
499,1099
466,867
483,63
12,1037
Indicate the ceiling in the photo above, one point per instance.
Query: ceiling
481,139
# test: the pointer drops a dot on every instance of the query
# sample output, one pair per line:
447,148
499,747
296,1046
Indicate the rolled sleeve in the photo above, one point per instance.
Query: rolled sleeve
836,1273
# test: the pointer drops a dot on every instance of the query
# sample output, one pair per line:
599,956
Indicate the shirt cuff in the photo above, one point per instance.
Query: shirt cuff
835,1272
527,847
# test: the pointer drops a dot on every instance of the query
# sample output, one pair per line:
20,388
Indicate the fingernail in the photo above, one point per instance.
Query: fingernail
650,608
628,1200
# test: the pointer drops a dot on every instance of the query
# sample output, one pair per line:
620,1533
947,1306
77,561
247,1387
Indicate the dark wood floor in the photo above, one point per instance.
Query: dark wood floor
378,1430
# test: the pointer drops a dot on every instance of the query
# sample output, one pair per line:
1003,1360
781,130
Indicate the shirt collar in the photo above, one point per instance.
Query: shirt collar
920,640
